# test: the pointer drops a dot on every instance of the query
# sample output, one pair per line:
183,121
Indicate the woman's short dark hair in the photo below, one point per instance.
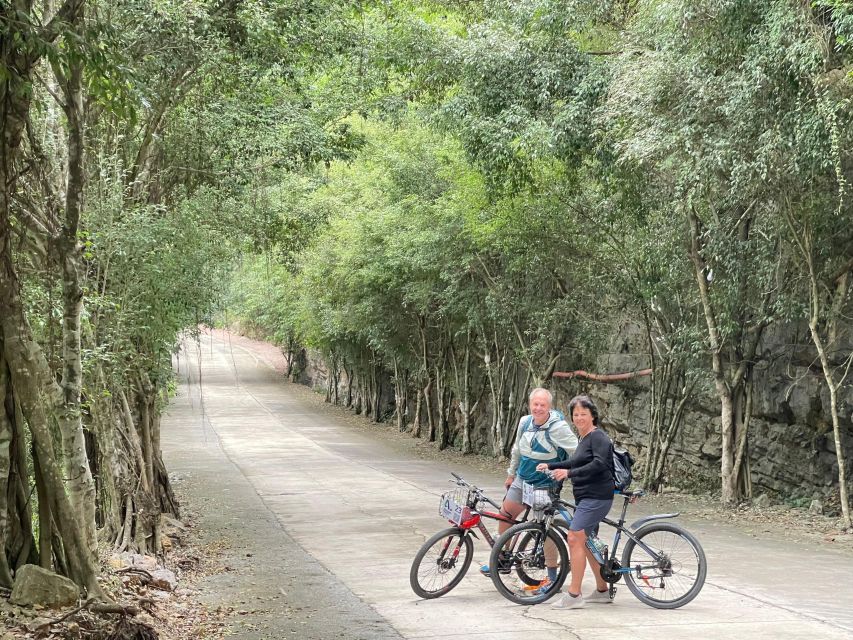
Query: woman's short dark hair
587,403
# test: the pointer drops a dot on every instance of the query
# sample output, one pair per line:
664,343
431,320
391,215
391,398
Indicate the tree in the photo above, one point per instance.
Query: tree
693,98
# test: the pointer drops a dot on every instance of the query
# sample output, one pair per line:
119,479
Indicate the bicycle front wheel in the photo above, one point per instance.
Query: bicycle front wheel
563,530
519,563
441,563
667,563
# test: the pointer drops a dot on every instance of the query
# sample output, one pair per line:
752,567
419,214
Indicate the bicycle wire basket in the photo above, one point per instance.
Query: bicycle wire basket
537,498
453,505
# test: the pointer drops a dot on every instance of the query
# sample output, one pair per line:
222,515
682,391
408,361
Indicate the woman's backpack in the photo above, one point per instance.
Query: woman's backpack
622,463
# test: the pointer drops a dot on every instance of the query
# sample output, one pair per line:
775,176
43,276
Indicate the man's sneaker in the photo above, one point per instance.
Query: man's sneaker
538,589
568,602
484,569
602,597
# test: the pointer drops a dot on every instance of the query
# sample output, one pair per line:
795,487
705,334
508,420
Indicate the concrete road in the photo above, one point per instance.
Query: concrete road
334,519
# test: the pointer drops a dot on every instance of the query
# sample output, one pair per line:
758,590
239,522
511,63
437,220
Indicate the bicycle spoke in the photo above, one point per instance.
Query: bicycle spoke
668,567
520,560
441,563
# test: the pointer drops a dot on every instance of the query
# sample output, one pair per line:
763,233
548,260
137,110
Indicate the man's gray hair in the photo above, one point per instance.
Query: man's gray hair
543,391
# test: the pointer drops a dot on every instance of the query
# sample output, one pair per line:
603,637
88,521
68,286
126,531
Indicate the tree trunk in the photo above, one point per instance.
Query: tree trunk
336,381
146,417
490,379
349,374
416,422
105,431
467,405
400,396
46,525
26,553
441,418
78,475
132,439
658,467
831,383
376,370
427,392
39,396
6,431
729,381
515,407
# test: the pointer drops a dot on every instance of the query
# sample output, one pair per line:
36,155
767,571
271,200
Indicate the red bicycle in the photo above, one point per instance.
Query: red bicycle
444,559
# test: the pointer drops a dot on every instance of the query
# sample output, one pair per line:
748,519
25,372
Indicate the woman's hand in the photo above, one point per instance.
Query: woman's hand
559,474
542,467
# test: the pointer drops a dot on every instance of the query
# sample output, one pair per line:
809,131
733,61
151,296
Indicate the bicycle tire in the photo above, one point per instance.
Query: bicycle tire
521,573
563,529
679,577
527,559
429,580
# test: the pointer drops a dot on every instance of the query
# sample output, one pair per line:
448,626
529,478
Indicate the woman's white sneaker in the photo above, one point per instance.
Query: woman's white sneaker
602,597
566,601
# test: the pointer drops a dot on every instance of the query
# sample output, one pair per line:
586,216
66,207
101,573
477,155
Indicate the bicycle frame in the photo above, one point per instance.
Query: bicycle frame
477,515
619,525
477,521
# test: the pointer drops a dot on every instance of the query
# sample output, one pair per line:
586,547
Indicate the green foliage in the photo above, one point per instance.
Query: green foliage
405,182
518,176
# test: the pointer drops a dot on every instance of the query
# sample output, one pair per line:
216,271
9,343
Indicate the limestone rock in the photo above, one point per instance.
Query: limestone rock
816,507
37,586
164,579
34,626
139,561
761,501
135,560
168,523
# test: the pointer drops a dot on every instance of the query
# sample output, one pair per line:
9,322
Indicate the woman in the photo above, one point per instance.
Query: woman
591,472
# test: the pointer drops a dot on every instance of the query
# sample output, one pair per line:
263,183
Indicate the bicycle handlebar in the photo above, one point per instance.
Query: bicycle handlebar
461,482
480,495
491,502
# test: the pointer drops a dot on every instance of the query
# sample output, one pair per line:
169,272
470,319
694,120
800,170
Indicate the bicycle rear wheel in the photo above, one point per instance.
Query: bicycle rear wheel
518,566
673,574
441,563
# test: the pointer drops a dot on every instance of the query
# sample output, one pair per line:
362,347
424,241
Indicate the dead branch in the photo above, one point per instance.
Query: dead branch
603,377
94,606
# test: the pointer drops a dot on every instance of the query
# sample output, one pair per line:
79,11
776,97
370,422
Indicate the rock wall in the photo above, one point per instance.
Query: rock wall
791,446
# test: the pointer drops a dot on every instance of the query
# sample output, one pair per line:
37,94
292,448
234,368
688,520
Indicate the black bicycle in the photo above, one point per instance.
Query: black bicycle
663,565
444,559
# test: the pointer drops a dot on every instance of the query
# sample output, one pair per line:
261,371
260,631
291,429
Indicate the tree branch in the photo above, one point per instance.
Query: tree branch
603,377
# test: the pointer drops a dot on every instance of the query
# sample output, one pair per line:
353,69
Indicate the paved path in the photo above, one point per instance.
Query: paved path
335,518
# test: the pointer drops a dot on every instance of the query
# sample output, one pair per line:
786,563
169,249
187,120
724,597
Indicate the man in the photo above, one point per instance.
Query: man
542,437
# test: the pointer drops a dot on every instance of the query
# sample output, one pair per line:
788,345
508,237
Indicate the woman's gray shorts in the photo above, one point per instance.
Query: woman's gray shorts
589,513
